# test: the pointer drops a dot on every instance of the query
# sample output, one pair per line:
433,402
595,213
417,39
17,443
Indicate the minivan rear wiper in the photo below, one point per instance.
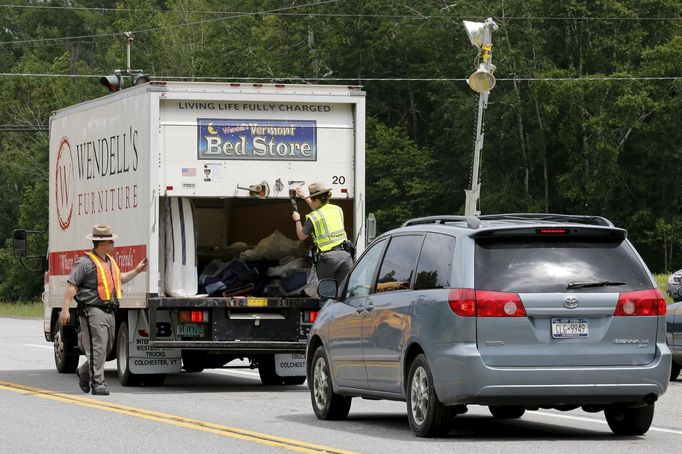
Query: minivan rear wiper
573,285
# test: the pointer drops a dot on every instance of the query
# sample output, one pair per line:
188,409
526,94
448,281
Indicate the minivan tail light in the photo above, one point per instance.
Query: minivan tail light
462,301
641,302
499,304
467,302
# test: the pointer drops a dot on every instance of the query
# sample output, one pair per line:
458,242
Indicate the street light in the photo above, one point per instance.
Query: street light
481,81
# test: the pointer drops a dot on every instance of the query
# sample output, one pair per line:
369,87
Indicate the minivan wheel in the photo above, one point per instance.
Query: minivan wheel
428,417
675,371
506,411
629,421
326,403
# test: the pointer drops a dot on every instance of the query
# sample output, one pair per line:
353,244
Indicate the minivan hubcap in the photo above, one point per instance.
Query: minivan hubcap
419,395
321,383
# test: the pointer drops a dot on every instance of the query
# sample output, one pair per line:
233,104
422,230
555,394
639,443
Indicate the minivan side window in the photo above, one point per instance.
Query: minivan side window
360,279
397,268
434,269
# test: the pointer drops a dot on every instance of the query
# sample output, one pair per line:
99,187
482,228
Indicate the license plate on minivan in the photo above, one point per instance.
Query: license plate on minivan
569,327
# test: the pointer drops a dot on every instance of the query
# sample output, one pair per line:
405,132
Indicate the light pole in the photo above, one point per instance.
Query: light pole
481,81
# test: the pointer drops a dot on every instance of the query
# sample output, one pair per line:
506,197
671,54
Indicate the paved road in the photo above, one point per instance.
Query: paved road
229,410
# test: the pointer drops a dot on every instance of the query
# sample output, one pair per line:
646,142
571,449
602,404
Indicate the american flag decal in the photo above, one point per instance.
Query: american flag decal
189,172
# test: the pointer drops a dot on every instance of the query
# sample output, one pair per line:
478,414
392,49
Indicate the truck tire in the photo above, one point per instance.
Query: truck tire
126,377
674,371
65,361
193,361
153,379
293,380
266,370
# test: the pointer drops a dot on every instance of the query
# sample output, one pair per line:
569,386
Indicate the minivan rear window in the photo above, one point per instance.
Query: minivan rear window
542,265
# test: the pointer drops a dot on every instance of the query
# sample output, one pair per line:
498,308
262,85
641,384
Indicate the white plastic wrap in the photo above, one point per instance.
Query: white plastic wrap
181,278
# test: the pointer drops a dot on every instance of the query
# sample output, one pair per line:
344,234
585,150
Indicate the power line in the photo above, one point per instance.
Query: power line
200,22
23,128
364,79
353,15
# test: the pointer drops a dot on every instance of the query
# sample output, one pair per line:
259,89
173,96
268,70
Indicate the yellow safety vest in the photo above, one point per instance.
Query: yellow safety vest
106,282
328,226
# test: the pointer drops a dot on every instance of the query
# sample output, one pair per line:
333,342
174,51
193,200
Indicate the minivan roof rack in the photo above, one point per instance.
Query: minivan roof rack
552,217
472,222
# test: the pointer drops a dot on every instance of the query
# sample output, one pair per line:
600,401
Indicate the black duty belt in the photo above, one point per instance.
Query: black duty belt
108,308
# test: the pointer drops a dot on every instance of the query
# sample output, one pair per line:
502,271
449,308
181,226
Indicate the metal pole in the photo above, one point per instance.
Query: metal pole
130,37
473,194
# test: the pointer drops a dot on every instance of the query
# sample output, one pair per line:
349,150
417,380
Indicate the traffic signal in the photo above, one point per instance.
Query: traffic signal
113,82
139,78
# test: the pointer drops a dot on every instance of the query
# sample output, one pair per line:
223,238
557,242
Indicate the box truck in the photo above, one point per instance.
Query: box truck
197,178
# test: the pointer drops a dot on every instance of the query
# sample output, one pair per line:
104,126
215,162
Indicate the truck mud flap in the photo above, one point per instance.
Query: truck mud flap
144,357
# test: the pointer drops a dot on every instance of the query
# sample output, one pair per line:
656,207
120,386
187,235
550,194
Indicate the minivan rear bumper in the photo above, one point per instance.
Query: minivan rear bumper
461,377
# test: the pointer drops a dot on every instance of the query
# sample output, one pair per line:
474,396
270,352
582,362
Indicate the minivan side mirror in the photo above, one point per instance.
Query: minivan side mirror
19,243
327,288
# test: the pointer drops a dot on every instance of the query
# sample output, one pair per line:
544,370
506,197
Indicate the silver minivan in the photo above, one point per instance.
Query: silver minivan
516,312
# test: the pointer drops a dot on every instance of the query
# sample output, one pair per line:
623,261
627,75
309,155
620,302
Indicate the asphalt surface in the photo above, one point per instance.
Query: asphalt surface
228,410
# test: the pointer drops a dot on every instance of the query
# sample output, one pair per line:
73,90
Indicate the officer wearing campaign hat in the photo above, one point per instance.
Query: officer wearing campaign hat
325,223
95,283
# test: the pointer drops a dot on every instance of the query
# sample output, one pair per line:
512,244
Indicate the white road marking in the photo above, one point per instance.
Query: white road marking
584,419
250,374
39,346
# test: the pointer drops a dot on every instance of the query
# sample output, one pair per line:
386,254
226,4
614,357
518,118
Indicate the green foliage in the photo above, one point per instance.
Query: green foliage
611,148
21,309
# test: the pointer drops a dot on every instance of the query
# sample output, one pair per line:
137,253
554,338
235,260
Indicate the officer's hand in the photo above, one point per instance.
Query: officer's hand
64,318
301,193
295,216
141,266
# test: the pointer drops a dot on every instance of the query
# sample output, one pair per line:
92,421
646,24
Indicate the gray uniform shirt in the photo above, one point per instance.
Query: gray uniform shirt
84,277
308,227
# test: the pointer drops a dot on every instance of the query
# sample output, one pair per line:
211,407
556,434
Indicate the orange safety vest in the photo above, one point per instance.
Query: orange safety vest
105,281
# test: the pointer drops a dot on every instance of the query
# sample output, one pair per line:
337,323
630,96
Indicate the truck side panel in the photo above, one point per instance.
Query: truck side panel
99,173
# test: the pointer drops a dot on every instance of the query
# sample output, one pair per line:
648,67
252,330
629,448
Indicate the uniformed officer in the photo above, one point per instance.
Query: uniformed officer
325,223
95,282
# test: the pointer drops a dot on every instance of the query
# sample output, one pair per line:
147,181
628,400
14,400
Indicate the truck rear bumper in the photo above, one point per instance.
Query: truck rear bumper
244,325
240,346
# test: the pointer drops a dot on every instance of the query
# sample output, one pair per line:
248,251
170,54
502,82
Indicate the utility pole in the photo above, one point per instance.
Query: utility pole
481,81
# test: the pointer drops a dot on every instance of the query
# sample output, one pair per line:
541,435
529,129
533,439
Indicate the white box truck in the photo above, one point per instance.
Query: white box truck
196,177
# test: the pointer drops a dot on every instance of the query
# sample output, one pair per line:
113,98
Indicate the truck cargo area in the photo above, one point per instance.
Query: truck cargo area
254,289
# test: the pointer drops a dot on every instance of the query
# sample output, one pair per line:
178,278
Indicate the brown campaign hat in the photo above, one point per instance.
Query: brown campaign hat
102,232
318,188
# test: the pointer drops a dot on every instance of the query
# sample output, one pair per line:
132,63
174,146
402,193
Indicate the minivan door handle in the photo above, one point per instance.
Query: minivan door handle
369,307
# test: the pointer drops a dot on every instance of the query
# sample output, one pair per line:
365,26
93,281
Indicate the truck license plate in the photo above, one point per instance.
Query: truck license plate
191,329
569,327
256,302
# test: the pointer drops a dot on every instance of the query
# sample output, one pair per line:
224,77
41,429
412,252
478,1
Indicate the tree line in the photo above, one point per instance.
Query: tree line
584,118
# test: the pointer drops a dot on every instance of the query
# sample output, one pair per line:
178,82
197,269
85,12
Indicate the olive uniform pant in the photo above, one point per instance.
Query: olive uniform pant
333,265
97,340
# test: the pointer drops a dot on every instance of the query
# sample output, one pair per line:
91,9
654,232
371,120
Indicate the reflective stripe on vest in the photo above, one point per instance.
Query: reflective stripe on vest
105,280
328,226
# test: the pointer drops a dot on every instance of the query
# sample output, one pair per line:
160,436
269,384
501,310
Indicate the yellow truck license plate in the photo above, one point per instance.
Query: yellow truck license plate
256,302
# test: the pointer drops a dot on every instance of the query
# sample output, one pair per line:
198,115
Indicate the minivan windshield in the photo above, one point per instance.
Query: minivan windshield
551,265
